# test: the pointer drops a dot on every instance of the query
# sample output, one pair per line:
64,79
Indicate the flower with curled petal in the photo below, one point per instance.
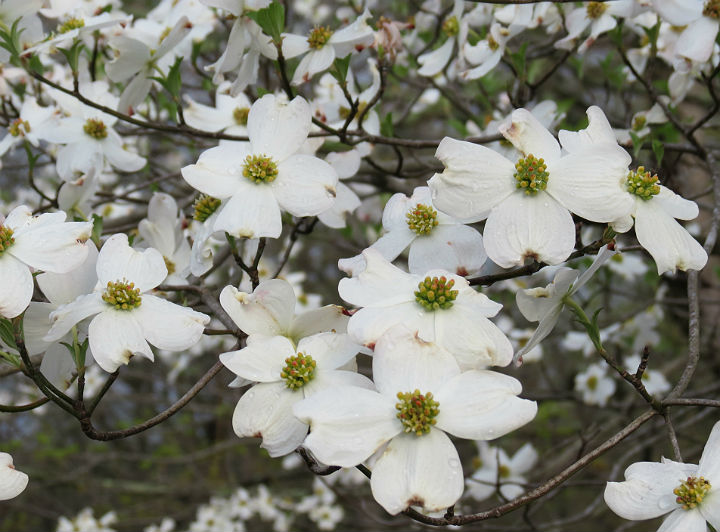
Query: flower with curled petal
12,481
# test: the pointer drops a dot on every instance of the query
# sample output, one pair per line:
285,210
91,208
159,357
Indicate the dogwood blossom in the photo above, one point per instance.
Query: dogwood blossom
422,394
594,384
494,468
689,493
12,481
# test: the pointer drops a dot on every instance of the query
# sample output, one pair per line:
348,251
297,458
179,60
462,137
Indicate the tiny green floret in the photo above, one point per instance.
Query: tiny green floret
6,238
642,183
298,370
319,36
19,127
639,122
691,492
417,411
240,115
95,128
260,168
451,26
70,24
122,295
436,293
596,9
422,219
531,174
205,206
170,265
592,383
712,9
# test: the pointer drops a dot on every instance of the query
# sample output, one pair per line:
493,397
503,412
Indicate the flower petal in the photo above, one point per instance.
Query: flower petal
420,471
327,318
456,248
316,60
53,247
12,481
252,212
169,326
675,205
66,316
305,185
329,349
268,310
684,521
378,284
278,128
218,171
115,336
709,466
17,286
117,261
261,360
529,136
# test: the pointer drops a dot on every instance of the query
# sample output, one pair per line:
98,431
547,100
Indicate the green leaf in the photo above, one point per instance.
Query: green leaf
72,54
637,144
172,82
340,69
97,229
518,60
7,333
271,19
658,148
386,126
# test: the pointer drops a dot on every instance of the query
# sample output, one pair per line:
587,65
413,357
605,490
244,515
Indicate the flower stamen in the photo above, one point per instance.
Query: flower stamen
240,115
451,26
19,127
417,412
422,219
70,24
95,128
260,168
122,295
319,36
298,370
690,493
6,238
595,9
642,183
531,175
436,293
205,206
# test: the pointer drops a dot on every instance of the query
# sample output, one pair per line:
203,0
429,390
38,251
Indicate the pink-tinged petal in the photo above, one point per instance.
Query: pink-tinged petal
12,481
422,471
675,205
66,316
684,521
475,179
115,336
252,212
327,318
697,40
524,227
347,425
591,183
278,128
434,61
17,286
456,248
474,341
330,350
378,284
305,185
529,136
218,171
266,411
57,247
169,326
268,310
647,491
709,466
315,61
403,363
482,405
261,361
666,240
60,288
117,261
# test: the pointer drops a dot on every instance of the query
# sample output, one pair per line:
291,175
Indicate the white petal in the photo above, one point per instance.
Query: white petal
265,411
666,240
117,261
420,471
58,366
62,288
402,362
17,286
66,316
535,303
169,326
394,242
346,163
56,247
679,12
530,137
368,324
315,61
115,336
482,405
598,131
544,328
252,212
684,521
305,185
710,508
697,40
709,466
218,171
133,54
524,226
260,361
134,93
475,179
268,310
294,45
353,37
434,61
675,205
120,158
330,350
590,182
277,128
327,318
456,248
347,425
12,481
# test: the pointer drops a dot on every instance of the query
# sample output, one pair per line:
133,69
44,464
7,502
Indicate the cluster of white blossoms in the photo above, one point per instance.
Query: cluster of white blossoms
412,364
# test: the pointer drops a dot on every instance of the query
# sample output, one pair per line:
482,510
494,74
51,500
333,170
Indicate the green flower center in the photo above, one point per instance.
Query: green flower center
592,383
492,43
416,411
436,293
531,174
642,183
504,471
639,122
19,127
595,9
240,115
298,370
6,238
71,24
122,295
170,265
690,493
319,36
205,206
345,111
451,26
95,128
712,9
422,219
260,168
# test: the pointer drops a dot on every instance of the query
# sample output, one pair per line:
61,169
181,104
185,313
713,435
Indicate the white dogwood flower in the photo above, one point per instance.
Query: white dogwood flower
422,396
495,468
12,481
595,385
126,315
